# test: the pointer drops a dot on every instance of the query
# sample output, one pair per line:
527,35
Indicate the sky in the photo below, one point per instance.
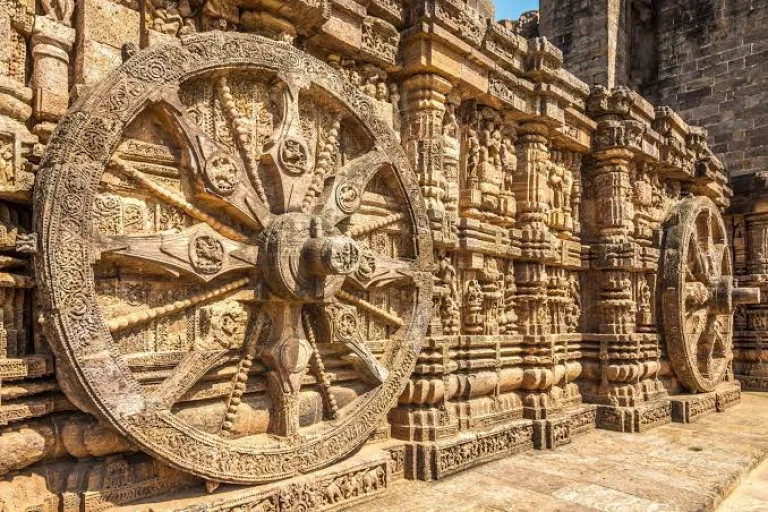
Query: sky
511,9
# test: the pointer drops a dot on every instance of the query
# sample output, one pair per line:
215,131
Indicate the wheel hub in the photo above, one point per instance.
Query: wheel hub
302,262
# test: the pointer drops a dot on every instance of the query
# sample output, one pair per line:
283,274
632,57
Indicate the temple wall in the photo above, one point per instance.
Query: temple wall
547,202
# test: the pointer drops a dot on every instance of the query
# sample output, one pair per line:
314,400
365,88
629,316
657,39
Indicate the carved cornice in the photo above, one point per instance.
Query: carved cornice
619,134
380,39
616,101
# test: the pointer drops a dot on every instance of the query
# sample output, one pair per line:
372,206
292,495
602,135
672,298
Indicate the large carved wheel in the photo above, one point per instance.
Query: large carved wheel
235,258
698,296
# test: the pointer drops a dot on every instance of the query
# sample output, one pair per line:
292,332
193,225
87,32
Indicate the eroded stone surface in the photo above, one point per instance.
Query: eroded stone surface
240,240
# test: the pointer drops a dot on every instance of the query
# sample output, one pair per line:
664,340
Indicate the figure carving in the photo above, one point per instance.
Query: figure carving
59,10
222,257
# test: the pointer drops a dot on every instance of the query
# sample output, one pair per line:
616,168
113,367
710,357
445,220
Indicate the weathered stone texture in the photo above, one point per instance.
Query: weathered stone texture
243,239
712,70
703,58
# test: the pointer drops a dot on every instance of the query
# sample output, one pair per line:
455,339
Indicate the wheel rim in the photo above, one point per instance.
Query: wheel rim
223,255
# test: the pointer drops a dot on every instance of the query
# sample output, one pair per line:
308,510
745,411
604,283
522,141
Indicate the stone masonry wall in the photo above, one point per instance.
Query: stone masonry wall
578,28
712,71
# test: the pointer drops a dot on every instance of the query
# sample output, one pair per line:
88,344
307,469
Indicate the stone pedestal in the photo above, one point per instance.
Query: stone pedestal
563,427
689,408
634,419
433,461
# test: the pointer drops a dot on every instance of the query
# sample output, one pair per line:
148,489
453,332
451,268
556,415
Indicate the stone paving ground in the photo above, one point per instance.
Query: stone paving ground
671,468
750,496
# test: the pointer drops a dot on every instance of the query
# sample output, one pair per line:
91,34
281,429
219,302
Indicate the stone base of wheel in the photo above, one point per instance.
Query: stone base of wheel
364,476
690,408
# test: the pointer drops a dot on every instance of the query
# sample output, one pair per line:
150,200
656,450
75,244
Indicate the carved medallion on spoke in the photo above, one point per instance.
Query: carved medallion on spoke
260,295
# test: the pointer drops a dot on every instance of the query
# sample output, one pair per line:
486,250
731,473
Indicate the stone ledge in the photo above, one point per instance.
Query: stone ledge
364,476
634,419
434,461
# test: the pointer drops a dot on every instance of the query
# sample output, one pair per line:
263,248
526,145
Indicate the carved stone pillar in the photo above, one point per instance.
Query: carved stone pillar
750,350
16,23
51,44
530,187
623,377
422,133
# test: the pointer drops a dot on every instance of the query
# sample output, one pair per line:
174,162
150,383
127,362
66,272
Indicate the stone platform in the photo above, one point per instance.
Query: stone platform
675,467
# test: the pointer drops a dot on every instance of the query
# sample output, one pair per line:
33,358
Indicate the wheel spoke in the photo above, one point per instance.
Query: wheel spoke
219,177
251,351
198,252
242,139
287,354
318,368
345,196
701,269
132,320
365,229
287,149
377,271
189,371
176,200
378,312
343,323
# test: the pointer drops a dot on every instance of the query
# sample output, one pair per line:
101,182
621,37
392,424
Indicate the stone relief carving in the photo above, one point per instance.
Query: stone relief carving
234,263
271,275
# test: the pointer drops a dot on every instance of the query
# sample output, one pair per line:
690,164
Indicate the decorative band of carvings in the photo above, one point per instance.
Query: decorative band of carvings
337,489
728,398
436,461
689,409
753,383
560,430
634,419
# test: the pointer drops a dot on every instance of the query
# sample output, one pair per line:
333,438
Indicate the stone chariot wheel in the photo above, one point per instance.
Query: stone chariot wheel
235,259
697,294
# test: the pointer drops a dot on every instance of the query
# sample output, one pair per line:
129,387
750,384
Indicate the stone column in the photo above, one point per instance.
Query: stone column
51,44
615,214
624,373
530,186
426,96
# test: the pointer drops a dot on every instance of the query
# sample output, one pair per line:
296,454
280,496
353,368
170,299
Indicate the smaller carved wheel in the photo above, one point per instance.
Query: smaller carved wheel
698,295
236,258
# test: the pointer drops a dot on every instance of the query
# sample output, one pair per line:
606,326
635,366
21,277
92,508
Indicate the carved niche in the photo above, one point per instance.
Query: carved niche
215,267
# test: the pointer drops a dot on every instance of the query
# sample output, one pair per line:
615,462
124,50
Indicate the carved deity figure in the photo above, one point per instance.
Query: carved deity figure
556,186
474,300
644,313
490,159
449,306
473,159
573,308
59,10
451,159
508,320
508,160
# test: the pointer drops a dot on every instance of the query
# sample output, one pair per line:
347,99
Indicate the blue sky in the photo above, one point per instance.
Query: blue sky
511,9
